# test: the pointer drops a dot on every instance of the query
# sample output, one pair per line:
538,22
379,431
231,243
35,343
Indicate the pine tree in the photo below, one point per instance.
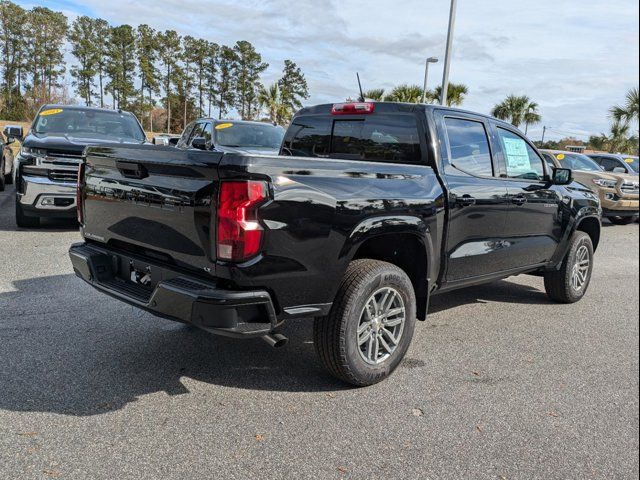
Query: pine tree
146,57
101,32
211,74
84,48
46,35
249,66
226,83
168,52
293,86
12,53
121,65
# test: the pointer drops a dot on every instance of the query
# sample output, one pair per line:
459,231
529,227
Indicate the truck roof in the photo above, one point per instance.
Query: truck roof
391,107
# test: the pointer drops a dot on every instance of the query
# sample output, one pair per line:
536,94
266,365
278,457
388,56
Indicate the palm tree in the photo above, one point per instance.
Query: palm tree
630,110
405,93
517,110
620,139
269,98
377,94
455,94
531,116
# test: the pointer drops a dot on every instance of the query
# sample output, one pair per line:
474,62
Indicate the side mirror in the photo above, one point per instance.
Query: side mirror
173,141
619,170
13,132
562,176
200,143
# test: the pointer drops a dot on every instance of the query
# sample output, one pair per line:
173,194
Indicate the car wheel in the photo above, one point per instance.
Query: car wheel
570,282
622,220
24,221
8,178
371,323
3,178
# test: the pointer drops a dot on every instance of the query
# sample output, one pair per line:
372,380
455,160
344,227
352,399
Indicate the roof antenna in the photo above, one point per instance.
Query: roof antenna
360,87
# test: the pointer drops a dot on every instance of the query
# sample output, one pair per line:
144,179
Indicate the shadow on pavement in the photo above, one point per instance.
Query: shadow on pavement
69,350
501,291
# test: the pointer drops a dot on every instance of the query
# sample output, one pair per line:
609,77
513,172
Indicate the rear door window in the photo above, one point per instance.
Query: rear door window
469,146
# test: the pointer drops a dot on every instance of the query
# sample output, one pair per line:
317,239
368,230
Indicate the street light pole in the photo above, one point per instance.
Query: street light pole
426,74
447,55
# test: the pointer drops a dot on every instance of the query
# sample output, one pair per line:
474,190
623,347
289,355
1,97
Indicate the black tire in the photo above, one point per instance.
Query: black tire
24,221
335,336
3,178
558,283
8,178
622,220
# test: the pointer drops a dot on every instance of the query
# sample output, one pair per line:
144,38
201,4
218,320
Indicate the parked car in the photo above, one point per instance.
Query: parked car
46,169
616,163
618,192
7,137
381,206
229,136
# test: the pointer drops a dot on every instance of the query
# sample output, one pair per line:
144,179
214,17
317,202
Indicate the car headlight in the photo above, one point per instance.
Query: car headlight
33,152
601,182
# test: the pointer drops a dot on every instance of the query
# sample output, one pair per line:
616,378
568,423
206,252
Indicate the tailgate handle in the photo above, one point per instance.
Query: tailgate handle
132,170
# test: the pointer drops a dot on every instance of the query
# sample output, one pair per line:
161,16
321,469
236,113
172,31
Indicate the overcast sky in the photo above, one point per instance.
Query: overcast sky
574,57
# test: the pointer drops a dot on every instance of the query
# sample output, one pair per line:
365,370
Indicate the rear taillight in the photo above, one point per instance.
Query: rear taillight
357,108
239,234
79,206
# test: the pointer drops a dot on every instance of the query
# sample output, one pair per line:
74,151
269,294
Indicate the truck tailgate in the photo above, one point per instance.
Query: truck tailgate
153,201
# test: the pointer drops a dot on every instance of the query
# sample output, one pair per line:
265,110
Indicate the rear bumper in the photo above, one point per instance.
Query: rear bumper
174,295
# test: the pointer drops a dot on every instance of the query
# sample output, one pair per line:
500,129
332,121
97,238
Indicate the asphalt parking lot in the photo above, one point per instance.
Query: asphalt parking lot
499,383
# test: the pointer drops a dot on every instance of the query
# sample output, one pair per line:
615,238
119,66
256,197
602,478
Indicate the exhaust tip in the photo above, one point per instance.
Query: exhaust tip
276,340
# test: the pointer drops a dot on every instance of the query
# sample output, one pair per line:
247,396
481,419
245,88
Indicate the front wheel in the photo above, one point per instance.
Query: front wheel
622,220
23,220
371,323
570,283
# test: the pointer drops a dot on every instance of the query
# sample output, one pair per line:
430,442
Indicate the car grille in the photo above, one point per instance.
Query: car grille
70,176
629,188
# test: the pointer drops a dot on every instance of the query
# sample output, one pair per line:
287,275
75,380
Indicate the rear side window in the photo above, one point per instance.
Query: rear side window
384,138
469,146
388,138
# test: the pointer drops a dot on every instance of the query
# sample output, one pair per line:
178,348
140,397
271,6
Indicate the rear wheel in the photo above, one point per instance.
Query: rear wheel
623,220
570,283
23,220
371,323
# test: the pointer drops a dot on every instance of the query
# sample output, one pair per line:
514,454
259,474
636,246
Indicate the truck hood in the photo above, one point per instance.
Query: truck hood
581,174
70,143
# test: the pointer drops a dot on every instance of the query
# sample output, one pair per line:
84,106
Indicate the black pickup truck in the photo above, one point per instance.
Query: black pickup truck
368,211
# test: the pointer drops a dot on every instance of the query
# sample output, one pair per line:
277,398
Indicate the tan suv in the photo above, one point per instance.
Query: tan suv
618,192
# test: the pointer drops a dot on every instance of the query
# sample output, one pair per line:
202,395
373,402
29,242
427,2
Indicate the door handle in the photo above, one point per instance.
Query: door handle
466,200
519,200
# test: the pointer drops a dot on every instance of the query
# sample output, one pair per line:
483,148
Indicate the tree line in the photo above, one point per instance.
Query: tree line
164,78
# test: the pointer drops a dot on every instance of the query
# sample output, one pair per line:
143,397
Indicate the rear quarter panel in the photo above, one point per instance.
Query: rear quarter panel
321,211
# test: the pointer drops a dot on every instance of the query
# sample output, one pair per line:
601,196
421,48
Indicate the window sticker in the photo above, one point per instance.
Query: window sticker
517,156
560,156
628,160
51,111
222,126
